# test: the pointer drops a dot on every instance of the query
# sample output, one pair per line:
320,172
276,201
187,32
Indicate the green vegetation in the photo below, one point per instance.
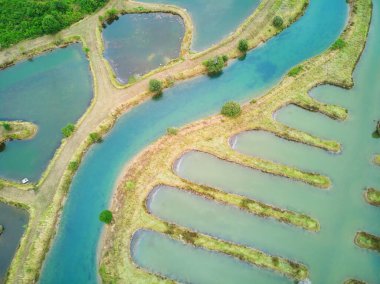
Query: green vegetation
231,109
215,65
130,185
23,19
367,241
7,126
106,216
372,196
338,44
73,166
295,71
95,137
172,130
353,281
1,229
243,45
278,22
110,16
376,160
68,130
155,86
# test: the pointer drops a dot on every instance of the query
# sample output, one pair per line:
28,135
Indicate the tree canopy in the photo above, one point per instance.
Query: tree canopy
23,19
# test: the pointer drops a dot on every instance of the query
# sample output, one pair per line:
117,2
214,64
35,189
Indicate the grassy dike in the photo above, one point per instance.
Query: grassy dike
17,130
367,241
211,135
372,196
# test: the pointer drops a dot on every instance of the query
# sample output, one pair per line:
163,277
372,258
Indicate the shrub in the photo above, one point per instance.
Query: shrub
106,216
110,16
172,131
7,126
68,130
86,50
243,45
215,65
155,86
295,71
50,24
338,44
73,166
95,137
231,109
278,22
130,185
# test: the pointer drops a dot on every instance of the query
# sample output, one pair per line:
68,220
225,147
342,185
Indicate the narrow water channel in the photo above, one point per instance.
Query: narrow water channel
14,221
92,186
213,19
138,43
52,90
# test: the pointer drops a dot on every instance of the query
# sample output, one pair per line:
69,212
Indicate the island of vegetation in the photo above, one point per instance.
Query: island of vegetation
130,213
376,160
16,130
367,241
372,196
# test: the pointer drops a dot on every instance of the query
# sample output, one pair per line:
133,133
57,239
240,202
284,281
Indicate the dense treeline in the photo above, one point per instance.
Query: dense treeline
22,19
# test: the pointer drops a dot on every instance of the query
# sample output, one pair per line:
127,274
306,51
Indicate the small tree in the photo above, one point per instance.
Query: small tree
295,71
155,86
243,45
338,44
73,166
68,130
7,126
95,137
172,131
215,65
231,109
278,22
106,216
50,24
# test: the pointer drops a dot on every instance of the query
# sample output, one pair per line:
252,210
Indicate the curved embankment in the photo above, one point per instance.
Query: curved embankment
46,204
335,66
16,130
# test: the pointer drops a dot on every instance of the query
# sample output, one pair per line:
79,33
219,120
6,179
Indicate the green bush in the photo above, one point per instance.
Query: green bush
130,185
278,22
155,86
338,44
295,71
215,65
106,216
50,24
95,137
243,45
68,130
7,126
73,166
172,131
231,109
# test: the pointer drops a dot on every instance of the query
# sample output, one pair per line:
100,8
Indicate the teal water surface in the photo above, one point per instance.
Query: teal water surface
72,258
173,258
51,91
13,220
138,43
331,254
213,19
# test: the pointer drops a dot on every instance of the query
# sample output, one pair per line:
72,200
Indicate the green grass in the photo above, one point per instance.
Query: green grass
372,196
367,241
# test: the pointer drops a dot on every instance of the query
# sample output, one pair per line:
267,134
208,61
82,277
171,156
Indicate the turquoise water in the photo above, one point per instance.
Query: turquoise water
92,186
179,261
213,19
138,43
52,90
330,254
14,221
